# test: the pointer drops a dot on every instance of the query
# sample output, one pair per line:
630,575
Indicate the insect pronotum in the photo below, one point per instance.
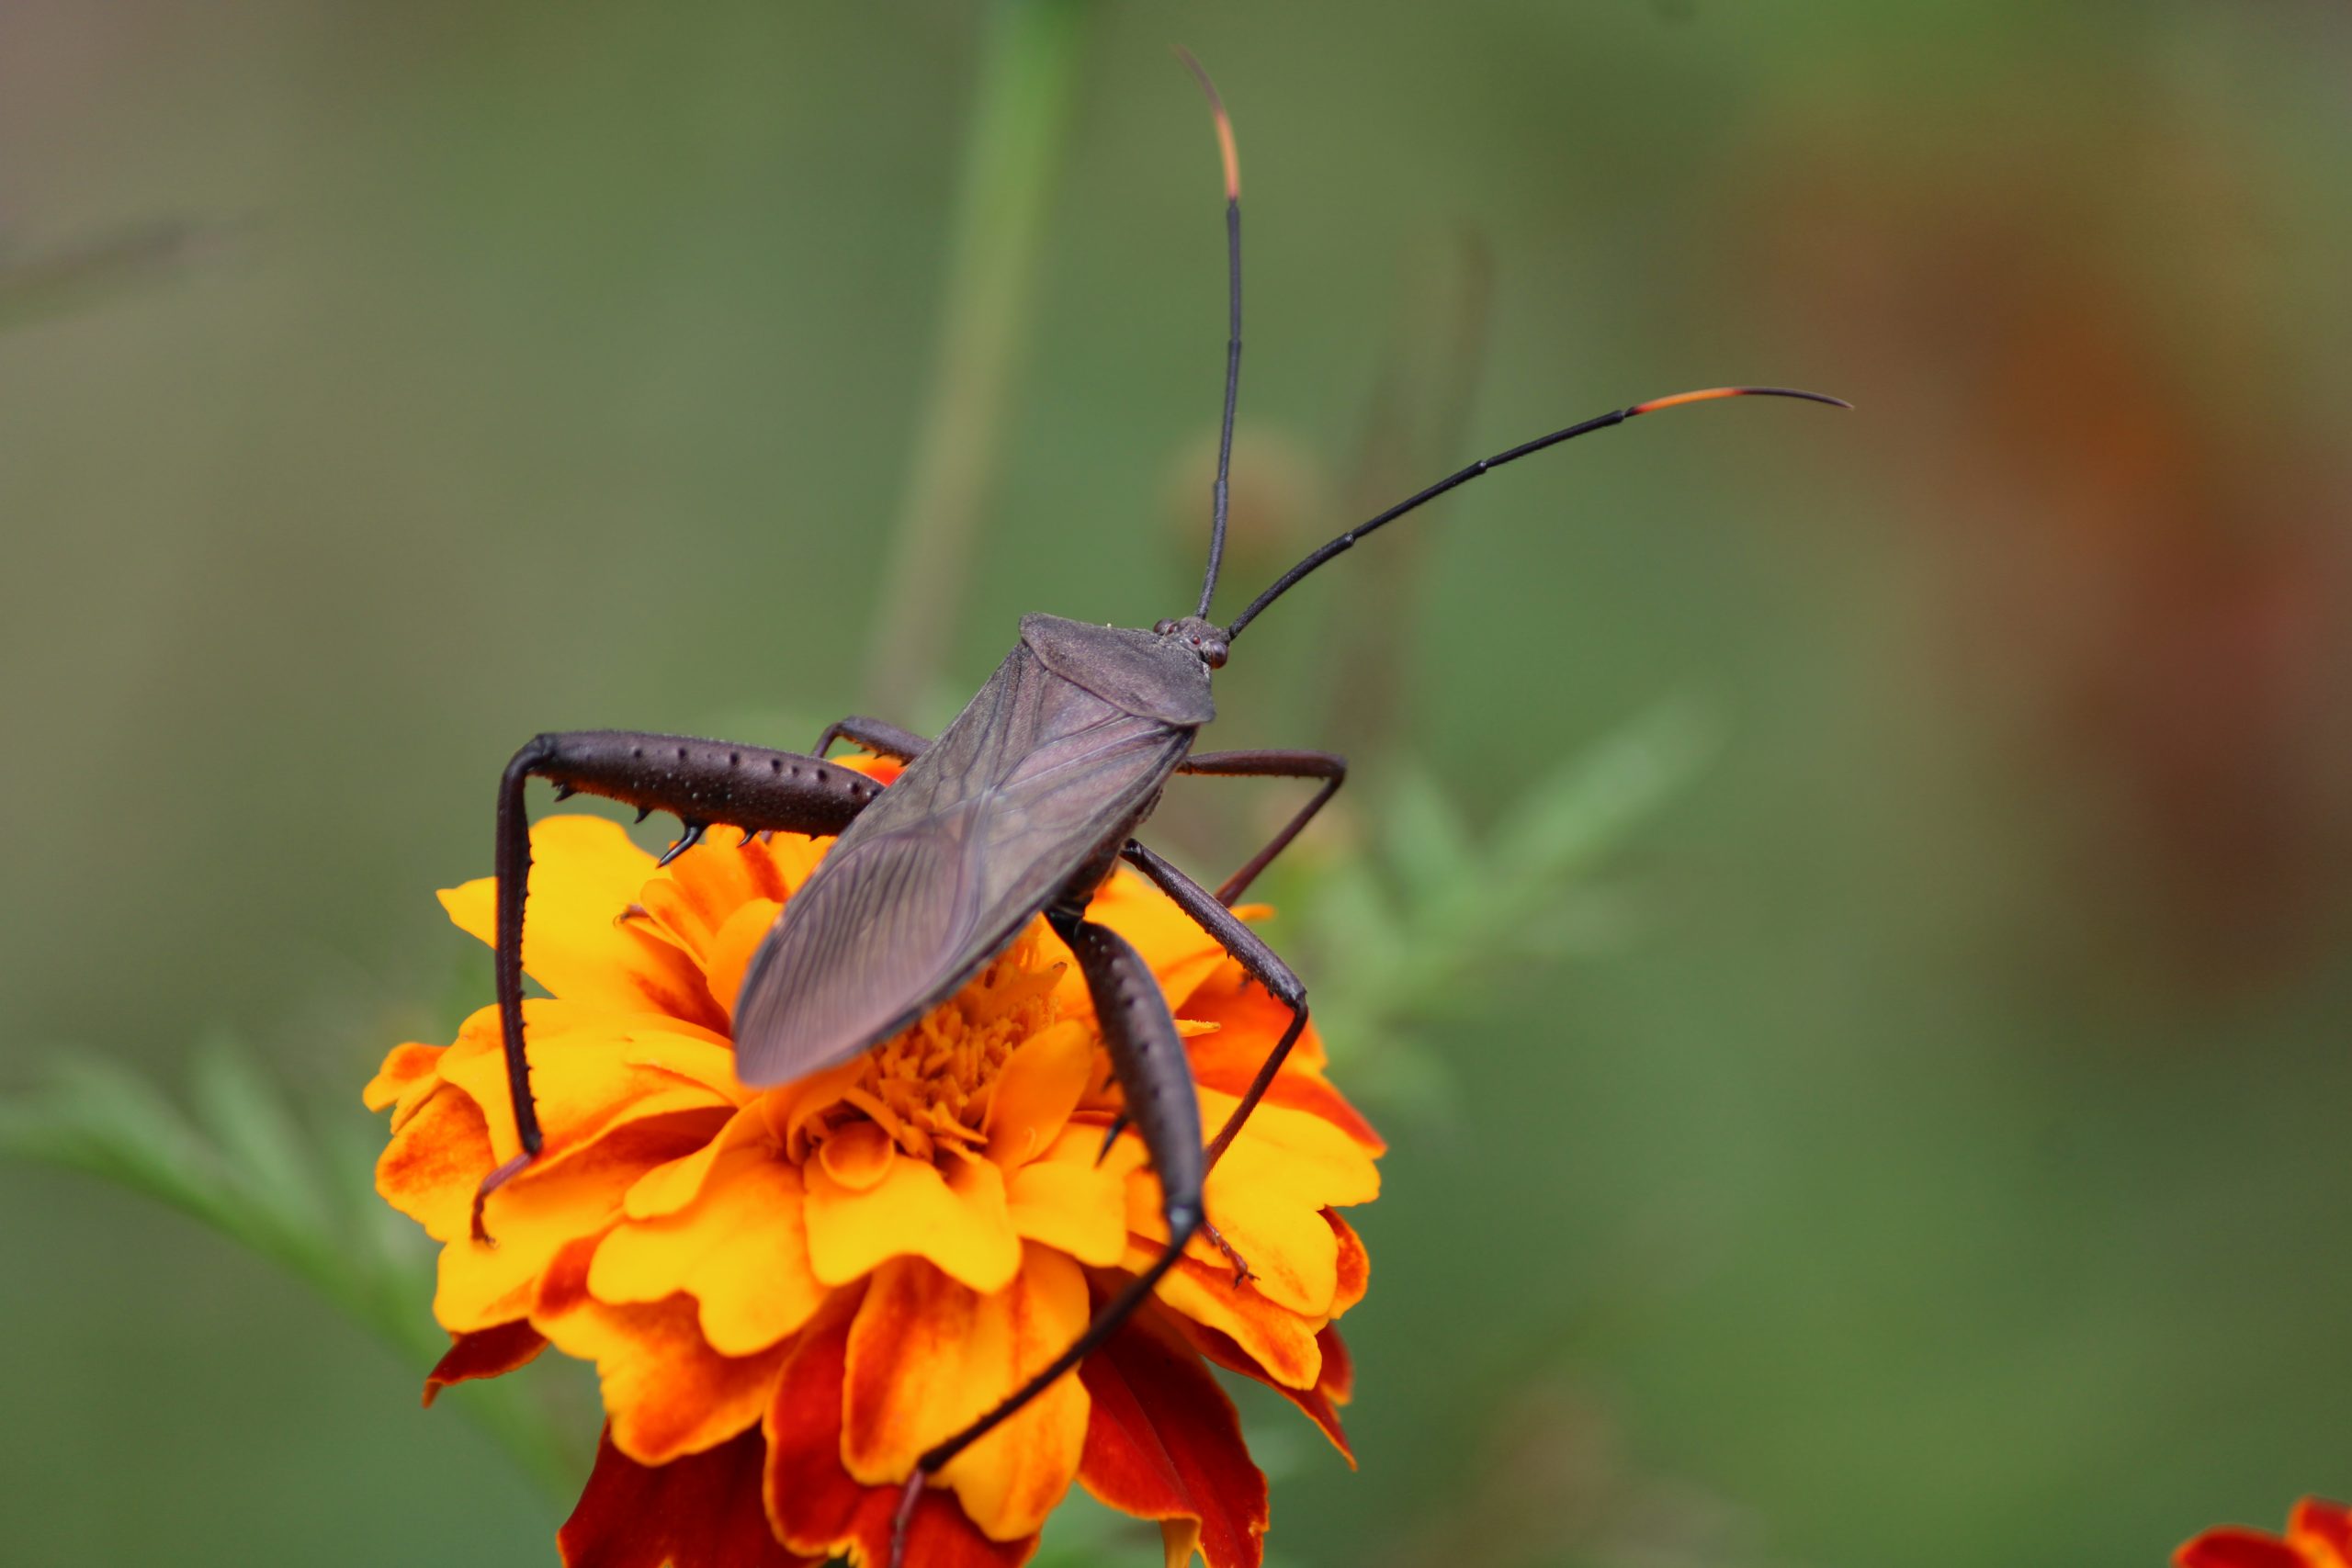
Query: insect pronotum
1020,808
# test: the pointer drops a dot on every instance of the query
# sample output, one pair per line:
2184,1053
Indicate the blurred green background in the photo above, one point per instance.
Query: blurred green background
1936,1158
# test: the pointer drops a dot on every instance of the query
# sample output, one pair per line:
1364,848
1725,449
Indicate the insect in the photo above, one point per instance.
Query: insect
1021,807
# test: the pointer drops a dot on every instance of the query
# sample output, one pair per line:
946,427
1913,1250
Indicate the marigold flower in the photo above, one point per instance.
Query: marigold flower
2319,1535
789,1295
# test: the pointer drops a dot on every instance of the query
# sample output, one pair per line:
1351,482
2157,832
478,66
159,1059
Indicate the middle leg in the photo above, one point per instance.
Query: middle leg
878,736
1249,950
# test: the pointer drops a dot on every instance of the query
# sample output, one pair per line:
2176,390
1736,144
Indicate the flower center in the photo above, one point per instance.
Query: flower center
933,1083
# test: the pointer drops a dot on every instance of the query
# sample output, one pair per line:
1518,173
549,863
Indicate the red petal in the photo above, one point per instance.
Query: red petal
1355,1267
817,1507
2235,1547
1318,1402
702,1511
489,1353
1339,1380
2317,1519
1163,1442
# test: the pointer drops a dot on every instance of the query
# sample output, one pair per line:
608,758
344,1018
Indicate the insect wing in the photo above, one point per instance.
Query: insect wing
941,873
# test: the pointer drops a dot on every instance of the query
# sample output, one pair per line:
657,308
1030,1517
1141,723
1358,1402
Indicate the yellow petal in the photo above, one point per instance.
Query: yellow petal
666,1189
1041,1084
739,1249
585,875
959,1220
1307,1156
583,1081
1068,1202
928,1357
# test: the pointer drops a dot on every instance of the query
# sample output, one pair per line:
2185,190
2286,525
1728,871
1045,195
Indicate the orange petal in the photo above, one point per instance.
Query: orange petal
492,1352
1240,1007
1354,1265
1041,1084
405,1068
695,895
732,945
666,1391
927,1357
739,1249
815,1504
1275,1337
1069,1202
1164,1443
701,1511
2322,1528
436,1159
585,875
959,1221
1229,1059
533,1216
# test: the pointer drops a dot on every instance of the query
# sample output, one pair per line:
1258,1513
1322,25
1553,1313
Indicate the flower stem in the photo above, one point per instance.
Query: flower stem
1020,108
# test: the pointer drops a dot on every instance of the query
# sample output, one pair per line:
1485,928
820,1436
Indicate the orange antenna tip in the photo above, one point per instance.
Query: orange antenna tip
1224,144
1710,394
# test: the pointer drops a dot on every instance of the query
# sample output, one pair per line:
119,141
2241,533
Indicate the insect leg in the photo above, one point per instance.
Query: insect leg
1249,950
1324,765
877,736
701,780
1149,1057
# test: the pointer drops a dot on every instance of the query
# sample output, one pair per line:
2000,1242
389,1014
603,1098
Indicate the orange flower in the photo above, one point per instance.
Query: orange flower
2319,1535
789,1295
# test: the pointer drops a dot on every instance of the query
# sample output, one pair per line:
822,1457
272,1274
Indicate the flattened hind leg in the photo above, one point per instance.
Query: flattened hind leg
1149,1057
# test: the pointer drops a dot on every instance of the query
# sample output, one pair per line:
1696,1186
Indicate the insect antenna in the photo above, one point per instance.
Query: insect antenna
1220,493
1346,541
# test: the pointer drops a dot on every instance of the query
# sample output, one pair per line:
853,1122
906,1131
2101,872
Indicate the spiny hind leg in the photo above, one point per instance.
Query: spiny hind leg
702,781
1147,1055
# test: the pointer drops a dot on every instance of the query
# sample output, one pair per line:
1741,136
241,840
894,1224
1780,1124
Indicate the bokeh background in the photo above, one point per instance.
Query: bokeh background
1928,1147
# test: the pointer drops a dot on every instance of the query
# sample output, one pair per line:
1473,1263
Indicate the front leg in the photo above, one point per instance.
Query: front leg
1325,765
702,781
878,736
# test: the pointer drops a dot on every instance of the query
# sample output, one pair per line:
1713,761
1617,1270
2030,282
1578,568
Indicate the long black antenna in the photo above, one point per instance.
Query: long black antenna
1346,541
1219,496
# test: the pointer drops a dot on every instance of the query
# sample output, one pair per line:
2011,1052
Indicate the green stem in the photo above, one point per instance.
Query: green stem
1028,70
